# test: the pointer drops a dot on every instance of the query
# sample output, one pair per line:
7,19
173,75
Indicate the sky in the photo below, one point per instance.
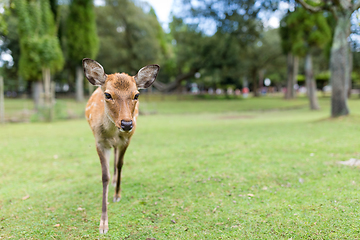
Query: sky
162,9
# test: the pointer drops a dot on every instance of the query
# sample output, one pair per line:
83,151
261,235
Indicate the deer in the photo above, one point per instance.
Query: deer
111,112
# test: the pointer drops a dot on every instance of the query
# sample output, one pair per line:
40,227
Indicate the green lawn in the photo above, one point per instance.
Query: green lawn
231,171
21,110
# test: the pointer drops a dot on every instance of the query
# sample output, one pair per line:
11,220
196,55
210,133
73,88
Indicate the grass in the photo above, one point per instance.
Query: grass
231,171
21,110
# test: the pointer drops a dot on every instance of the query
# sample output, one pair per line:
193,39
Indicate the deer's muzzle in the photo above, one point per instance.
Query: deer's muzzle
126,125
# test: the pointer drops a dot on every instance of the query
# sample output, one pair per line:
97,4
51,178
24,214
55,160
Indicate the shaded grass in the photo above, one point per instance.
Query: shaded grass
217,175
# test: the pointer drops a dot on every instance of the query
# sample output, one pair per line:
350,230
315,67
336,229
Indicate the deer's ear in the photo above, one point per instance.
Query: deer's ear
94,72
146,76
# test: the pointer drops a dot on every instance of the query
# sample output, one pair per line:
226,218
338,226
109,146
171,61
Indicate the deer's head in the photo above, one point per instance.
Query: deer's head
120,90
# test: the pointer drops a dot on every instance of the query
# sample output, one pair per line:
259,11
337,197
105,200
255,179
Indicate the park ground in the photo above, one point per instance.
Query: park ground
207,169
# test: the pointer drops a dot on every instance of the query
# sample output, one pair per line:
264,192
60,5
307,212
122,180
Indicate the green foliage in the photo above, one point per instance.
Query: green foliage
356,60
3,16
300,78
81,37
10,43
216,56
239,18
240,46
302,31
40,48
129,37
265,54
190,46
323,76
160,36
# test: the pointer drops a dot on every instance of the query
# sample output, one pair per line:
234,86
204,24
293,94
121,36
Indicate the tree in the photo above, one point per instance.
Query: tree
191,49
263,55
3,25
3,29
129,37
292,59
339,60
10,45
307,33
218,54
216,57
81,39
40,50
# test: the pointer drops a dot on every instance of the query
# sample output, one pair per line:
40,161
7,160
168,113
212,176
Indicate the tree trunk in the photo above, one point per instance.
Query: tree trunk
290,74
339,66
292,71
79,84
37,92
310,83
255,82
162,87
350,66
295,73
47,94
261,79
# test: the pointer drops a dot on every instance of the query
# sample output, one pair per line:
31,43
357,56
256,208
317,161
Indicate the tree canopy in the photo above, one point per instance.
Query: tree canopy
81,36
302,31
39,46
129,37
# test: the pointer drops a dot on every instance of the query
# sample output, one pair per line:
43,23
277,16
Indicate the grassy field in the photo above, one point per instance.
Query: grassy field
21,110
240,169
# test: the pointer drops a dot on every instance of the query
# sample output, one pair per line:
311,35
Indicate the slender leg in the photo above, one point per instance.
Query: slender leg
116,157
104,155
120,162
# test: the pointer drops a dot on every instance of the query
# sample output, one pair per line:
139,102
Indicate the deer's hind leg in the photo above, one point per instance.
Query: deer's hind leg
116,157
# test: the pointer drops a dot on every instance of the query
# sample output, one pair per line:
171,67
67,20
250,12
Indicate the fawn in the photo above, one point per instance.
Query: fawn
112,111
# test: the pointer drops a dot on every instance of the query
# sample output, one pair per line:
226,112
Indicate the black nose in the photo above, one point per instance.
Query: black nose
126,125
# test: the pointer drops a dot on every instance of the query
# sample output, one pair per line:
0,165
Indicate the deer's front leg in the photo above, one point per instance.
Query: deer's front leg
104,155
120,161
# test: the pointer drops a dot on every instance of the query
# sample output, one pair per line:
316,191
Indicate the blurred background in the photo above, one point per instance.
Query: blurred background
216,49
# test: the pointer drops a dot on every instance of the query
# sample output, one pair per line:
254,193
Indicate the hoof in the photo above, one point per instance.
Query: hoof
104,227
116,199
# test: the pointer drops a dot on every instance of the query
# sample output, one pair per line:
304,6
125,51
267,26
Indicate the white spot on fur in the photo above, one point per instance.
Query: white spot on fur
90,116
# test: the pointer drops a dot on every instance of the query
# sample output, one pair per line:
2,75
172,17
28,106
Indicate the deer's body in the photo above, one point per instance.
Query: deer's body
112,111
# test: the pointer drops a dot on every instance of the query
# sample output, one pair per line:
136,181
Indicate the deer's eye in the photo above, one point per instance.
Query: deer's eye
136,96
108,96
